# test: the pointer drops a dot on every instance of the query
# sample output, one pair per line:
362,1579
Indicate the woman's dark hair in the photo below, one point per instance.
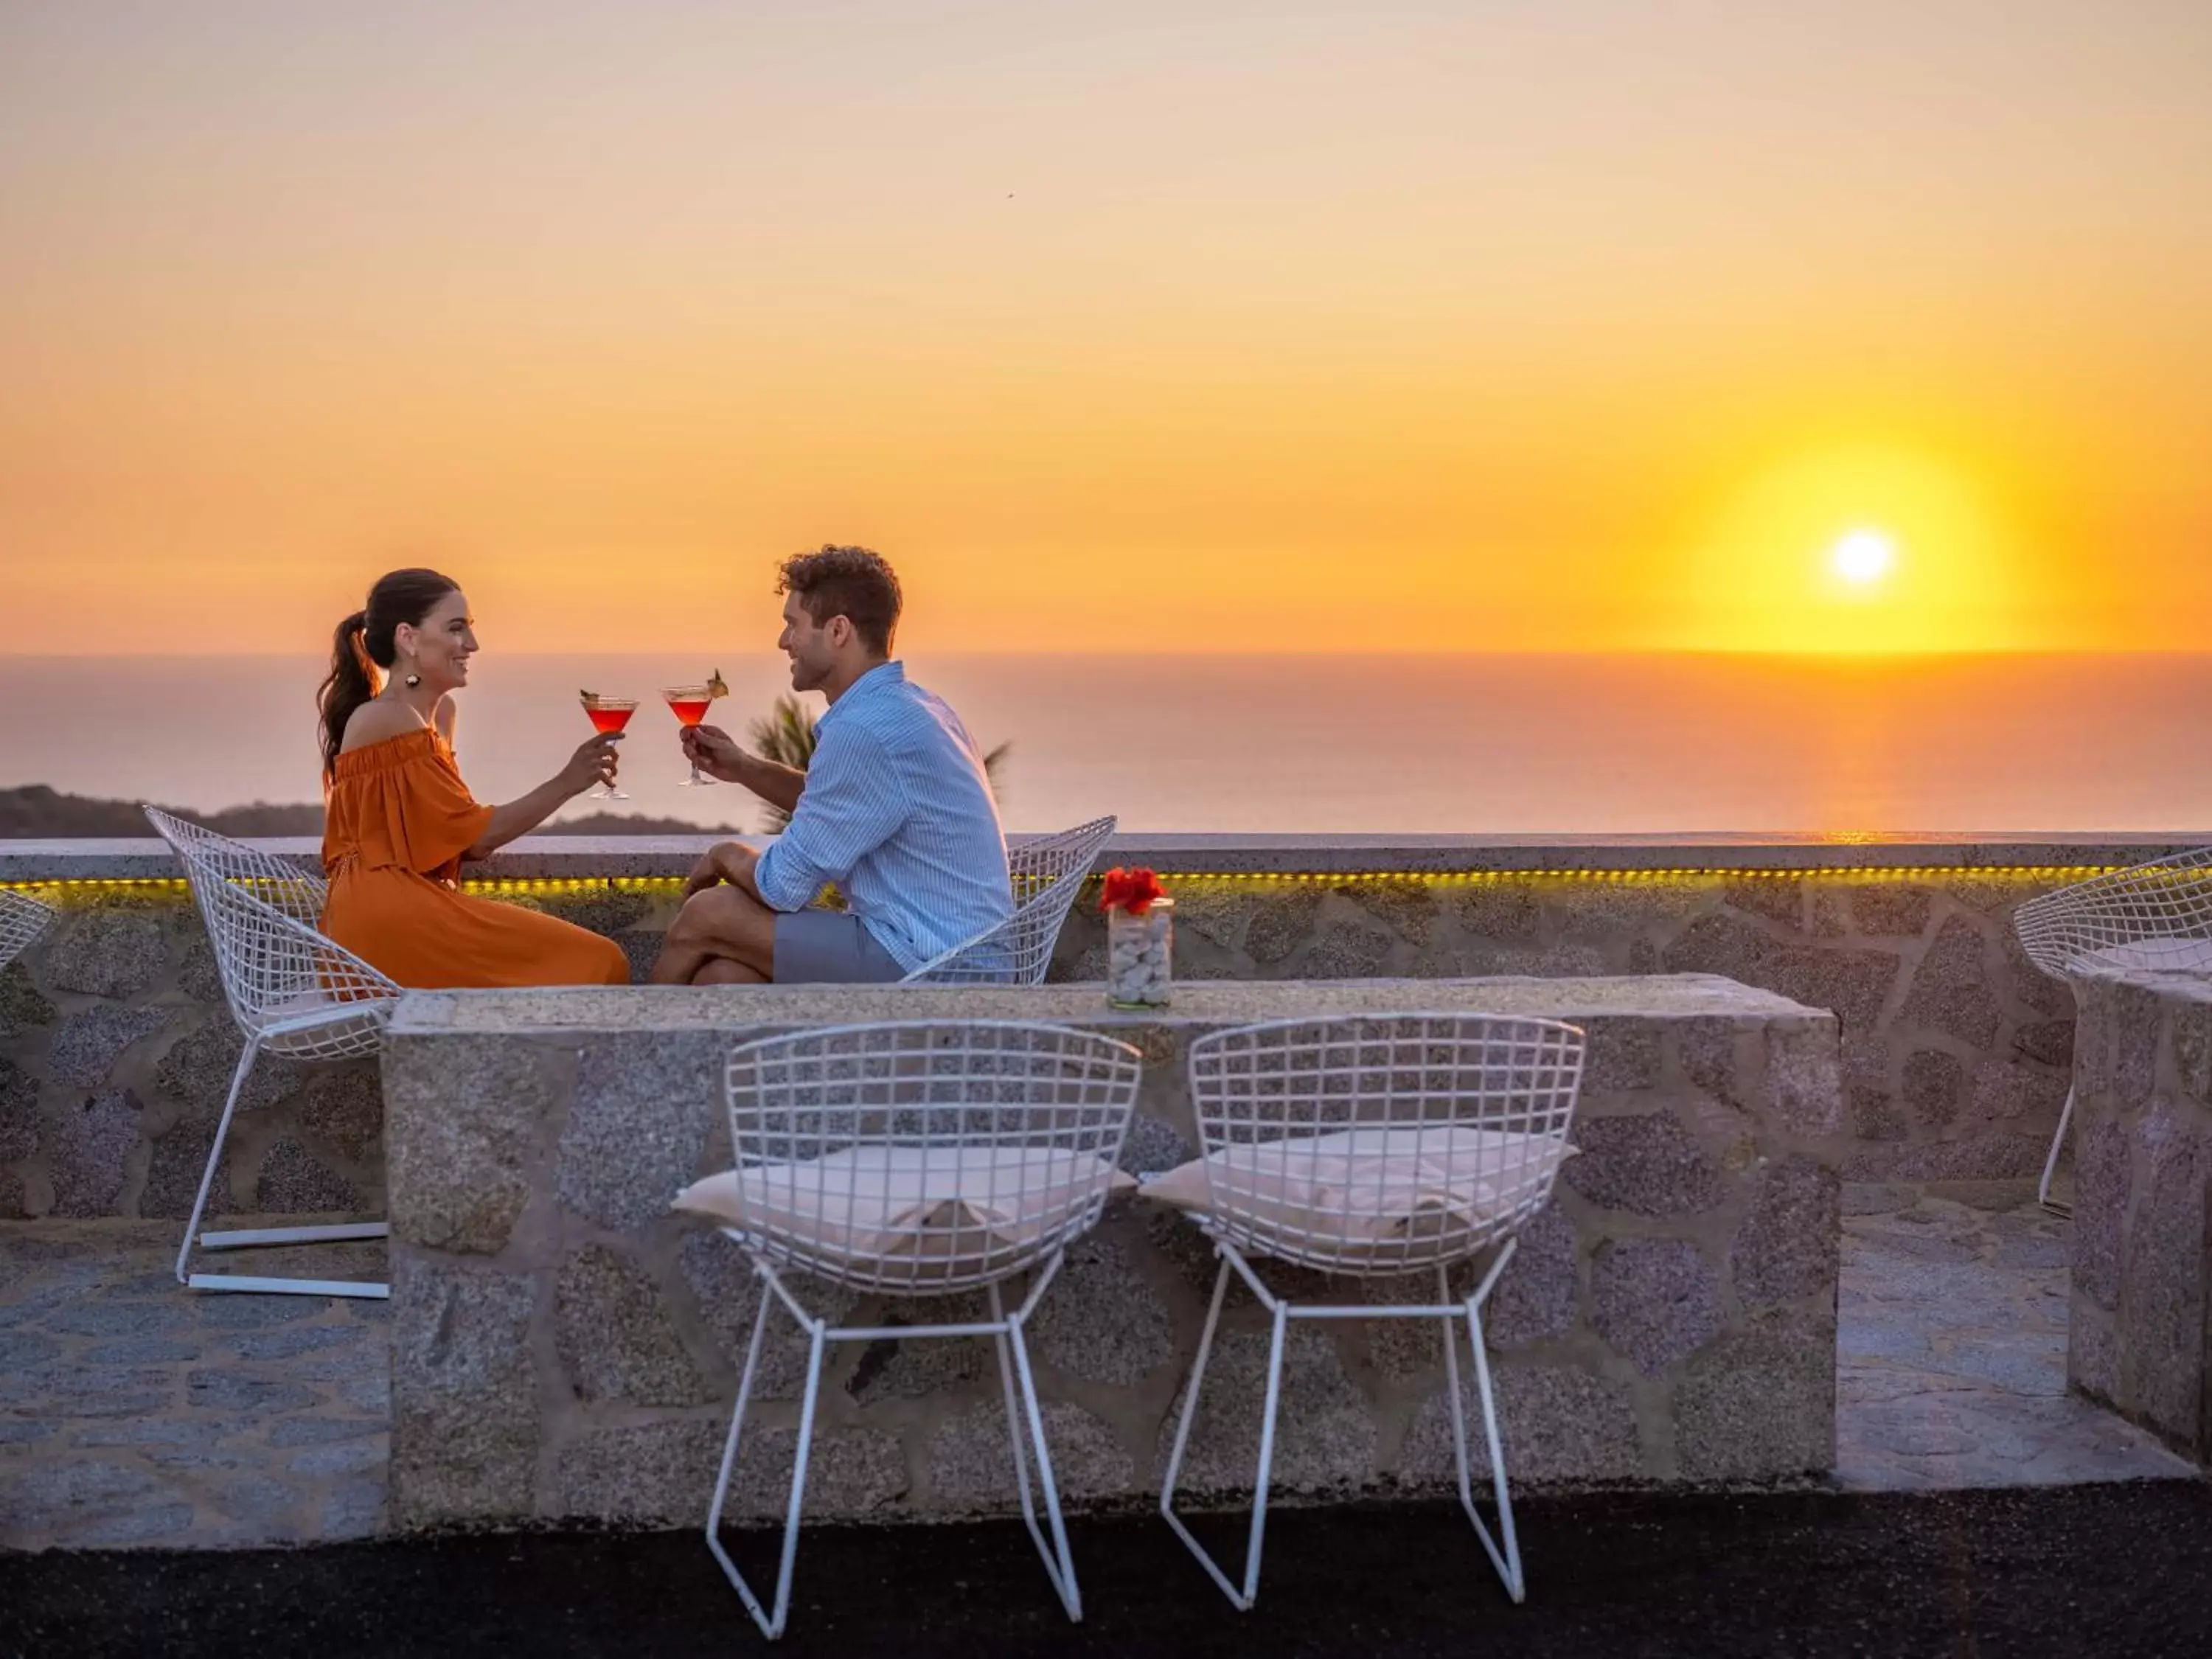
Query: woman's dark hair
363,645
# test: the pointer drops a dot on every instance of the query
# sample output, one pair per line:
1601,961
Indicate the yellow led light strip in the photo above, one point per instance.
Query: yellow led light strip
94,887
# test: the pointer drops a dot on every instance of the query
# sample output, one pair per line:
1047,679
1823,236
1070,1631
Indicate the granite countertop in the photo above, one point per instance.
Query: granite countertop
1209,1002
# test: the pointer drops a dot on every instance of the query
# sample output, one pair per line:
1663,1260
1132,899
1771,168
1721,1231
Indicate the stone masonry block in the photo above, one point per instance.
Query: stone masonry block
1281,921
19,1113
1409,908
1557,1424
293,1180
465,1411
1655,1301
1778,899
1761,1406
2117,1040
1646,1164
614,1336
1890,909
22,1008
644,1102
86,1148
1498,913
86,1043
1951,991
1622,1054
1933,1082
108,953
462,1126
1100,1320
1534,1297
970,1460
2163,1334
1852,983
1787,1246
1803,1080
198,1070
1347,949
345,1105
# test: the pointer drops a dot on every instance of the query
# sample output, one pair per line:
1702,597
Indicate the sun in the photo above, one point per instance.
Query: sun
1862,558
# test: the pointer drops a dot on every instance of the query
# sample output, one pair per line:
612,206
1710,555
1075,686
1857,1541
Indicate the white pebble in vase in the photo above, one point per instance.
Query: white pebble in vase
1139,956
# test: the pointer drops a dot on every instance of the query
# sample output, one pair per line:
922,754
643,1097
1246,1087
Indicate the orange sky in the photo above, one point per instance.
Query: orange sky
1585,326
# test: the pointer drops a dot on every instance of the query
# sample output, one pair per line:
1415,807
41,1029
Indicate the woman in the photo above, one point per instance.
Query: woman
398,819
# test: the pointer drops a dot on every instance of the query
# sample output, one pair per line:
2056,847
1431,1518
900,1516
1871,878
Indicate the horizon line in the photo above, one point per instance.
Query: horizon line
1870,656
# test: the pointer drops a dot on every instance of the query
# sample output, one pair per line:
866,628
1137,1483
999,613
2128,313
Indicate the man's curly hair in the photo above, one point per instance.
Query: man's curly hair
852,582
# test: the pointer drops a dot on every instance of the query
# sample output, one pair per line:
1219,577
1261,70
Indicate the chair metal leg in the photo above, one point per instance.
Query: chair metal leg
771,1624
1182,1440
1457,1406
2051,1164
1025,1415
1240,1598
248,1238
1508,1562
215,1157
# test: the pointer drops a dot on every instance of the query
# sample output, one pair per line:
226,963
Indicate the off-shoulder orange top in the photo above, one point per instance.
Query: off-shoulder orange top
396,822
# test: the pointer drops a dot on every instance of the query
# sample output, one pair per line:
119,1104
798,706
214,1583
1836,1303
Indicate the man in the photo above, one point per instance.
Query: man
895,811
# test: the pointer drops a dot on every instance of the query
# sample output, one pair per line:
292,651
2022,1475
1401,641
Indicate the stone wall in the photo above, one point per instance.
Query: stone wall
1956,1051
2138,1339
564,1346
116,1050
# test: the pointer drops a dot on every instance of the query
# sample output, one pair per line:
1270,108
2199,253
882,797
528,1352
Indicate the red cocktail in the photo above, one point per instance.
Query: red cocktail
689,703
607,715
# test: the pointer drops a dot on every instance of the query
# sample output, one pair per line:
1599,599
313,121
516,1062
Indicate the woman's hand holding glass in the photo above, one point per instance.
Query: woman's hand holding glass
595,761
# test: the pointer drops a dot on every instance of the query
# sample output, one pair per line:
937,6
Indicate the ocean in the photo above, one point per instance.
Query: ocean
1570,744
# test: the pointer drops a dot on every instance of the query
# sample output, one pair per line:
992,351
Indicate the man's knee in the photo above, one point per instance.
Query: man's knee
726,919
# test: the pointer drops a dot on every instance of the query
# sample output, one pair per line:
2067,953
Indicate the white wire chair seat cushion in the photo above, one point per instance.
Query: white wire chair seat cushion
2166,901
23,918
1047,875
1366,1195
2167,956
915,1213
921,1157
1373,1146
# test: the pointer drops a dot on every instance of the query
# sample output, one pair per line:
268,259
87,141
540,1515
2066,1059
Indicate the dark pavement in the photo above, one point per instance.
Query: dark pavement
2118,1570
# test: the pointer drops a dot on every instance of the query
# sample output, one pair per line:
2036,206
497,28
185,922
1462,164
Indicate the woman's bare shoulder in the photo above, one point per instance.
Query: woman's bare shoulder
377,721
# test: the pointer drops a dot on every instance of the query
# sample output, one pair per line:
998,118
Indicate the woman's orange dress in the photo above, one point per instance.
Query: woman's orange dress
396,823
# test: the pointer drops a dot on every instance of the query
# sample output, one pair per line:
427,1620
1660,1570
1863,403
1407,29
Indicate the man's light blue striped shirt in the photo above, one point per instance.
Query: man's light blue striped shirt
898,812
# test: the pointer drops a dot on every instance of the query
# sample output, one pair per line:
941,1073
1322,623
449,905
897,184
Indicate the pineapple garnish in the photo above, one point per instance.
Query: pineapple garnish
716,688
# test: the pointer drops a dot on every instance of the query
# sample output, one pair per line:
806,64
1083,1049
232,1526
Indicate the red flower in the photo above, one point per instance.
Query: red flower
1133,890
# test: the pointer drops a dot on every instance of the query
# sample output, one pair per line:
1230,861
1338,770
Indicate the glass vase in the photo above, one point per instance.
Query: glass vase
1140,955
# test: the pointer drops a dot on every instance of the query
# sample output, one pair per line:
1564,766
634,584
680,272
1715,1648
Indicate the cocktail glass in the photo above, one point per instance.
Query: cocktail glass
608,714
689,703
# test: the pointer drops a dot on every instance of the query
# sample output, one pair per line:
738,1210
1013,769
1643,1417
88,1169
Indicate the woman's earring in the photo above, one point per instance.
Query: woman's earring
414,680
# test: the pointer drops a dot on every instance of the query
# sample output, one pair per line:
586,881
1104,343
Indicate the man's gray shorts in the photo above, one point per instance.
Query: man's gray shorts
830,947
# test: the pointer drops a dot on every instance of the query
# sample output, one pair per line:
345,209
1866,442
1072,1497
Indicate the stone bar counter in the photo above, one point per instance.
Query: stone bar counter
115,1049
563,1346
2140,1333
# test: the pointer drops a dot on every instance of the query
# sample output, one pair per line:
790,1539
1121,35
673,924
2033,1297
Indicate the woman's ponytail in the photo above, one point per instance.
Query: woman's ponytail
352,682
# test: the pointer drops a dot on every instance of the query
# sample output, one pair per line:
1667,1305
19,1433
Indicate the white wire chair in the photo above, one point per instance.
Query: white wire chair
1374,1146
1047,874
2155,915
23,918
919,1158
294,993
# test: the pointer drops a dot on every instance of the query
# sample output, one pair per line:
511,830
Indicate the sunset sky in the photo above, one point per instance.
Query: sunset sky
1492,325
